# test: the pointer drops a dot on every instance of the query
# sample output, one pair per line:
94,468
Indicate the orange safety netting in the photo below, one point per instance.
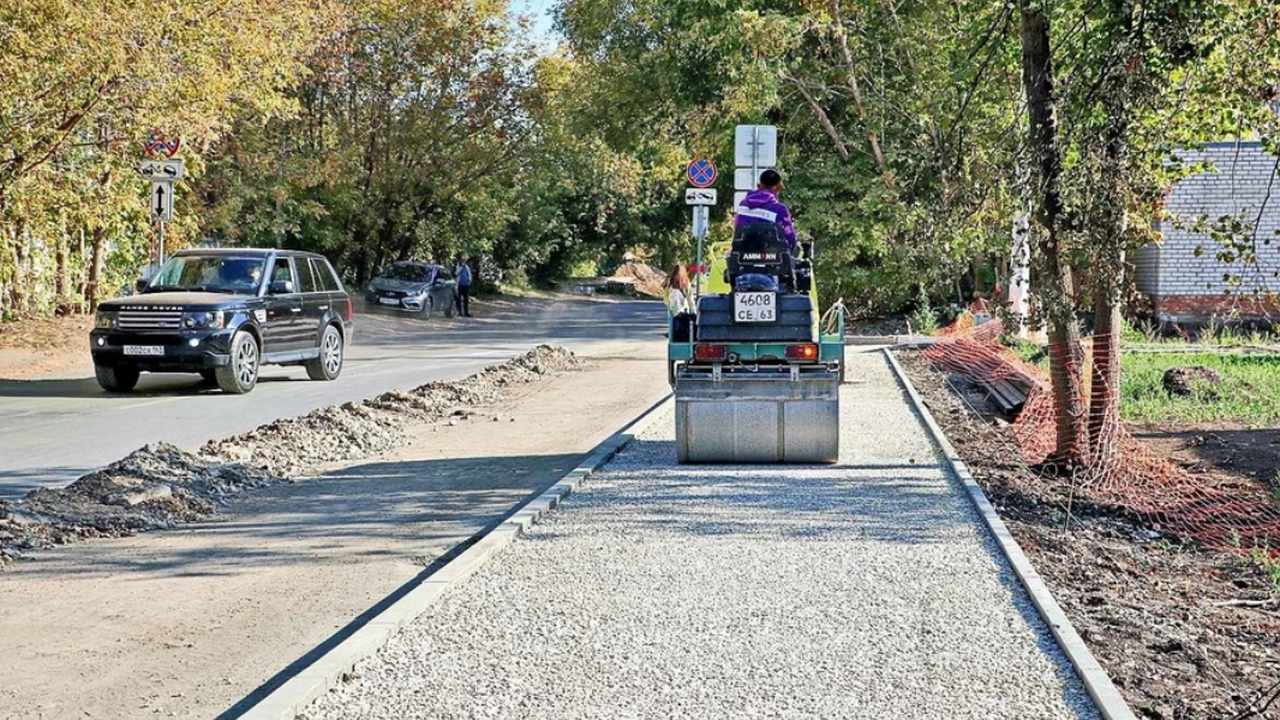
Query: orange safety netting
1117,471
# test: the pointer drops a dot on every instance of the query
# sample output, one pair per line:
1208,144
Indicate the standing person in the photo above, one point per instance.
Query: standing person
463,273
676,291
763,206
679,303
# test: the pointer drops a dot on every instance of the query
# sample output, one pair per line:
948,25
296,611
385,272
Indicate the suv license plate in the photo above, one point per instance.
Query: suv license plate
389,301
755,307
144,350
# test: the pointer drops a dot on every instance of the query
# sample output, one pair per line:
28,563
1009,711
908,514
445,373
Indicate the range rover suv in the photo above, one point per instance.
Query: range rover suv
224,314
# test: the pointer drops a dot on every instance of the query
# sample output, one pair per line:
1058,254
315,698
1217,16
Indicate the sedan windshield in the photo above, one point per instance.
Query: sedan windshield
210,273
412,273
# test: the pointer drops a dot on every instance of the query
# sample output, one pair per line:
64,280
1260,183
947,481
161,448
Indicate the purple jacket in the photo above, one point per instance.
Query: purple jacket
763,206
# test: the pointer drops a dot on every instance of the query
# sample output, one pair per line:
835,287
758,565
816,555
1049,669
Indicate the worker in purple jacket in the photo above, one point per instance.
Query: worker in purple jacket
762,206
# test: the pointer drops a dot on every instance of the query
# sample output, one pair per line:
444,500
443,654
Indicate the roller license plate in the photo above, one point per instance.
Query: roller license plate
144,350
755,307
389,301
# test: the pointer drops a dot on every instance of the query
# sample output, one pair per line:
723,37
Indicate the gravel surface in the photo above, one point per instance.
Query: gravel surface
863,590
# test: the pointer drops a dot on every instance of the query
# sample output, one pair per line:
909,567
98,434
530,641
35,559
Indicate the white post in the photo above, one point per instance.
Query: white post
1020,273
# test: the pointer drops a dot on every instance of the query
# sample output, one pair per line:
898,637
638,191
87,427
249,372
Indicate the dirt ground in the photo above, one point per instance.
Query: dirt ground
38,348
187,622
1182,632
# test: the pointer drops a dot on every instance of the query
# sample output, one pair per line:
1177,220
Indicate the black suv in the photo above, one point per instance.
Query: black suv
224,314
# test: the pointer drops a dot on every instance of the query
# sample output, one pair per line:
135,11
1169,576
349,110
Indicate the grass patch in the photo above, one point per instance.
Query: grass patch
1250,390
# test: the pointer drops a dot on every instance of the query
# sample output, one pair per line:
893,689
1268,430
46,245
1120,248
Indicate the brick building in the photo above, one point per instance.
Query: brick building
1239,184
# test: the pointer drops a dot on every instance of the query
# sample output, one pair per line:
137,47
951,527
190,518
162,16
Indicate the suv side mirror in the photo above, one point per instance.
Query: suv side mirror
140,284
281,287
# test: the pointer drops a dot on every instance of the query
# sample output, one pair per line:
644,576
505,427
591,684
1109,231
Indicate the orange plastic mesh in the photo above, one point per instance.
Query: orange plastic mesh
1118,470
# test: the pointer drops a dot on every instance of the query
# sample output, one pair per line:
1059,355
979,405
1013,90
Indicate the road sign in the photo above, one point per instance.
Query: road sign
700,196
161,170
701,173
161,201
701,219
745,178
755,146
158,145
738,197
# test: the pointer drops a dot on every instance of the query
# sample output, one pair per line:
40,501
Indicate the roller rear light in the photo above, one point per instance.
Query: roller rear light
710,353
808,351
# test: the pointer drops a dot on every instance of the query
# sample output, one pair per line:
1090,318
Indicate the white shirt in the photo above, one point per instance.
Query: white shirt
677,302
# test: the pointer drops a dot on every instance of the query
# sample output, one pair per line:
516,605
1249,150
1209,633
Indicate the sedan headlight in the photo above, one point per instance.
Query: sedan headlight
105,319
204,320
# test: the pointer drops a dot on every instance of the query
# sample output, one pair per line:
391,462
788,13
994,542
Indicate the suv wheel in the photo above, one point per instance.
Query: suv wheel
116,379
241,374
449,307
429,306
328,366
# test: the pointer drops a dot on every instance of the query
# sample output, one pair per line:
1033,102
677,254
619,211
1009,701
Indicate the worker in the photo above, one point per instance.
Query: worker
463,274
763,206
679,303
675,291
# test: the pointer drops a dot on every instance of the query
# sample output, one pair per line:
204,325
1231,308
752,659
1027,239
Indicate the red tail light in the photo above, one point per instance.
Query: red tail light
710,353
349,315
807,351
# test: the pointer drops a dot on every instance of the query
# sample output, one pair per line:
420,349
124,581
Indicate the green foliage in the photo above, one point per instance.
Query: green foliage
924,321
1250,390
902,180
1261,556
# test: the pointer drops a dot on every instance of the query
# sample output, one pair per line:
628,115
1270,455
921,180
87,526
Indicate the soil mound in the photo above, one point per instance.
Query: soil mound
645,279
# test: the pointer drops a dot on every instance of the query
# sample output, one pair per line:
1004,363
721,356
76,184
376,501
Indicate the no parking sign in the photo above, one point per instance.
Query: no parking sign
701,172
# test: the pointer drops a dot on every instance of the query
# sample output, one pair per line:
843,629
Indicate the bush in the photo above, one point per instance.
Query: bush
924,321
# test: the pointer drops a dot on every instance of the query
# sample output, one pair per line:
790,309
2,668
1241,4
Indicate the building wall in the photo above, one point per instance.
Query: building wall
1236,184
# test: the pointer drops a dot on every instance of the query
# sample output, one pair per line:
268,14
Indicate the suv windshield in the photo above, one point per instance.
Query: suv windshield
412,273
210,273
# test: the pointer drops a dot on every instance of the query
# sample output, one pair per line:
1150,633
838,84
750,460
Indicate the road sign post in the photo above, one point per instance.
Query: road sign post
161,201
701,219
702,174
163,170
755,149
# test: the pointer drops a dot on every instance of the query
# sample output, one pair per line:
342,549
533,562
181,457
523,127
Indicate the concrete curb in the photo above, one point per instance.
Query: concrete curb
292,698
1105,696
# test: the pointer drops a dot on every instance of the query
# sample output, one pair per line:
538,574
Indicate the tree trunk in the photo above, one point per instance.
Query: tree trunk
96,261
1066,356
62,279
851,79
1108,283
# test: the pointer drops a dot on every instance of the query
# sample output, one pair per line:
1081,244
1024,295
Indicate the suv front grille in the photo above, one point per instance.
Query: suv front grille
150,320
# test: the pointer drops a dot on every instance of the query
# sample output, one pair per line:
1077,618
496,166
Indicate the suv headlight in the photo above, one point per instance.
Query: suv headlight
105,319
204,320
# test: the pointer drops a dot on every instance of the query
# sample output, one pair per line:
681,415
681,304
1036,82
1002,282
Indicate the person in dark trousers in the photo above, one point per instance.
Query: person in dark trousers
463,274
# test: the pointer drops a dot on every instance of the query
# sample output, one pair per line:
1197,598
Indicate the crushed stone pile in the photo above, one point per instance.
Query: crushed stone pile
160,486
647,281
157,486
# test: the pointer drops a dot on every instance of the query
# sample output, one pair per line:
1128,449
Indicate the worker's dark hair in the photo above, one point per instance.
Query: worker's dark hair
770,178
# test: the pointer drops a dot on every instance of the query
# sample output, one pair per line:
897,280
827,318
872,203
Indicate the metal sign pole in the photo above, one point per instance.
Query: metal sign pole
755,154
161,264
701,218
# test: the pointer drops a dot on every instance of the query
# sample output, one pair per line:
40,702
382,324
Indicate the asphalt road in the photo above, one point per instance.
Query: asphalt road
56,430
